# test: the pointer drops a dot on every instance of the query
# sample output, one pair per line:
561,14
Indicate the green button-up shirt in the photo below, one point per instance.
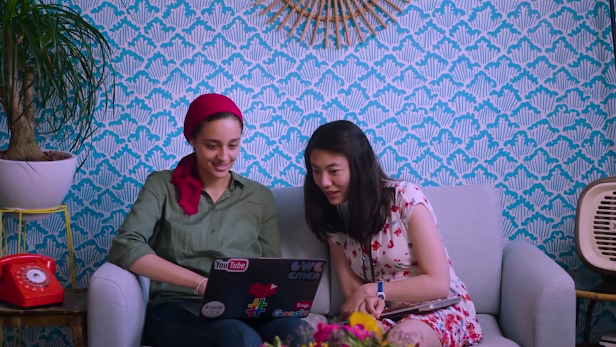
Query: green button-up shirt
242,223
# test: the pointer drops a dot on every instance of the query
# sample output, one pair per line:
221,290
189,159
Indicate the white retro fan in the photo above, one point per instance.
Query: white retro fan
595,226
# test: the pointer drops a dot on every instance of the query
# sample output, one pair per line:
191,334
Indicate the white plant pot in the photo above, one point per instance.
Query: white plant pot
35,185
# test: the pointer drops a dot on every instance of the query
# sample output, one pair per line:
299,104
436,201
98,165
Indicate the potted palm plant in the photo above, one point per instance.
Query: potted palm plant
54,69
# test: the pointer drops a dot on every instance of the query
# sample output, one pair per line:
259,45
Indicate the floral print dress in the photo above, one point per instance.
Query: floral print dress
393,259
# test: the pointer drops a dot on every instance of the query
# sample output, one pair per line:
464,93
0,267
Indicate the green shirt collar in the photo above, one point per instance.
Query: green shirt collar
237,178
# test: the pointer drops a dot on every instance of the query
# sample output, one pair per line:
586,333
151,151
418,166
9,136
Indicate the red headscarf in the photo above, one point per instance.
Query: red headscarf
185,176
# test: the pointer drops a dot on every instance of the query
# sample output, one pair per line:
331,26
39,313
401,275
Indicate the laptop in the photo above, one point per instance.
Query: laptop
259,288
395,311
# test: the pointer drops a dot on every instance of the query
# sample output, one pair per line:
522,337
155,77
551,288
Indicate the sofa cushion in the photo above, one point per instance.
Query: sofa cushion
470,223
492,336
298,242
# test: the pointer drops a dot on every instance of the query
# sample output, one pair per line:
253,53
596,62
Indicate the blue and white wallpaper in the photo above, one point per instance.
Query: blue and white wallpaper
516,94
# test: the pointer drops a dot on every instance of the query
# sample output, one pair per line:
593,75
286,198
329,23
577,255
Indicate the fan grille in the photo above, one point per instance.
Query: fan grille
604,226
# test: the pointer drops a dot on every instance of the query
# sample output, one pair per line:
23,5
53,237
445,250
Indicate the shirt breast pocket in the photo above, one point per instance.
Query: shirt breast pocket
179,239
243,221
241,235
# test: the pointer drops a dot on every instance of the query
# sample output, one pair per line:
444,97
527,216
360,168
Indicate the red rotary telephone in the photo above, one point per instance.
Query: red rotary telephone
27,280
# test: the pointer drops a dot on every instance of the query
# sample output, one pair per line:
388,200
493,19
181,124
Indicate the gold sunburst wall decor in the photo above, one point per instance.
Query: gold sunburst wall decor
344,17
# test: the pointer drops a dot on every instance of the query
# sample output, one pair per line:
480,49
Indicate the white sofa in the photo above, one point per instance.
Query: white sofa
523,297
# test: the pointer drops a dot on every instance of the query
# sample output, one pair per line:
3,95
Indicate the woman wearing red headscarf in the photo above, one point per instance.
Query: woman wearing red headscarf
183,219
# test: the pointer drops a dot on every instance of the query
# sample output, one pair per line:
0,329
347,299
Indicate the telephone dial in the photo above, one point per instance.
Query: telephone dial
27,280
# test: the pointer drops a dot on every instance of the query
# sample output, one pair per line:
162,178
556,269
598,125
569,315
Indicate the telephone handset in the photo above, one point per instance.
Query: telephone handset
27,280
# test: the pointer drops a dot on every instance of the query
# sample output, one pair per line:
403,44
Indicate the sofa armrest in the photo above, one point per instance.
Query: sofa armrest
117,300
537,298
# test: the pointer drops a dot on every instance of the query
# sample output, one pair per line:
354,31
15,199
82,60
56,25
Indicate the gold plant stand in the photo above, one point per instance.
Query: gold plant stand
21,241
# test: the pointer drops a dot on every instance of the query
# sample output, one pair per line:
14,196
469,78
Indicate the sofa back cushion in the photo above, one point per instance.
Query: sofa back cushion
470,223
298,242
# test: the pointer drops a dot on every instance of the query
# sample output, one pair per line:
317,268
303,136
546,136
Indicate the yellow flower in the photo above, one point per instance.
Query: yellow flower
362,318
314,344
386,344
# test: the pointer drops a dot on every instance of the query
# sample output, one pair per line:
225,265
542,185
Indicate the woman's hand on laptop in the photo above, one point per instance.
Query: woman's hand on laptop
373,306
161,270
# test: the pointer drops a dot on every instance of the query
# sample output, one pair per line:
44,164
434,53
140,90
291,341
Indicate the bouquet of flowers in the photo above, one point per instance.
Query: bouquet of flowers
363,330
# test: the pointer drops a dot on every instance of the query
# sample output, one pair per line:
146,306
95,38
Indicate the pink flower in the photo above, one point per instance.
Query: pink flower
358,331
323,331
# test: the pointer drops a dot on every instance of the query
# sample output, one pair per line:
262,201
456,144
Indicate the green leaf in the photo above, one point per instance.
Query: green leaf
277,343
73,75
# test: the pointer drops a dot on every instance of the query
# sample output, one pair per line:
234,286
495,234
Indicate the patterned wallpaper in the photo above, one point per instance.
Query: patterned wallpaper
516,94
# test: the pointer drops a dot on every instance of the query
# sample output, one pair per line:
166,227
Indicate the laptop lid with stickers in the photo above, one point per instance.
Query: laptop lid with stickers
261,288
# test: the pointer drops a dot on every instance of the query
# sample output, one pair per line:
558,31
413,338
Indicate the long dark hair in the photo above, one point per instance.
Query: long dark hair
368,201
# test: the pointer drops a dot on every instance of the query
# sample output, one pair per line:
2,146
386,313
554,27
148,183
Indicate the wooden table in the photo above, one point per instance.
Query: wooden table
71,313
592,287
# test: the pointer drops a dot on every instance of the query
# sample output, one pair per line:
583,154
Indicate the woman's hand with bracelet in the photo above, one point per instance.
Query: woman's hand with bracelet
356,301
201,286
